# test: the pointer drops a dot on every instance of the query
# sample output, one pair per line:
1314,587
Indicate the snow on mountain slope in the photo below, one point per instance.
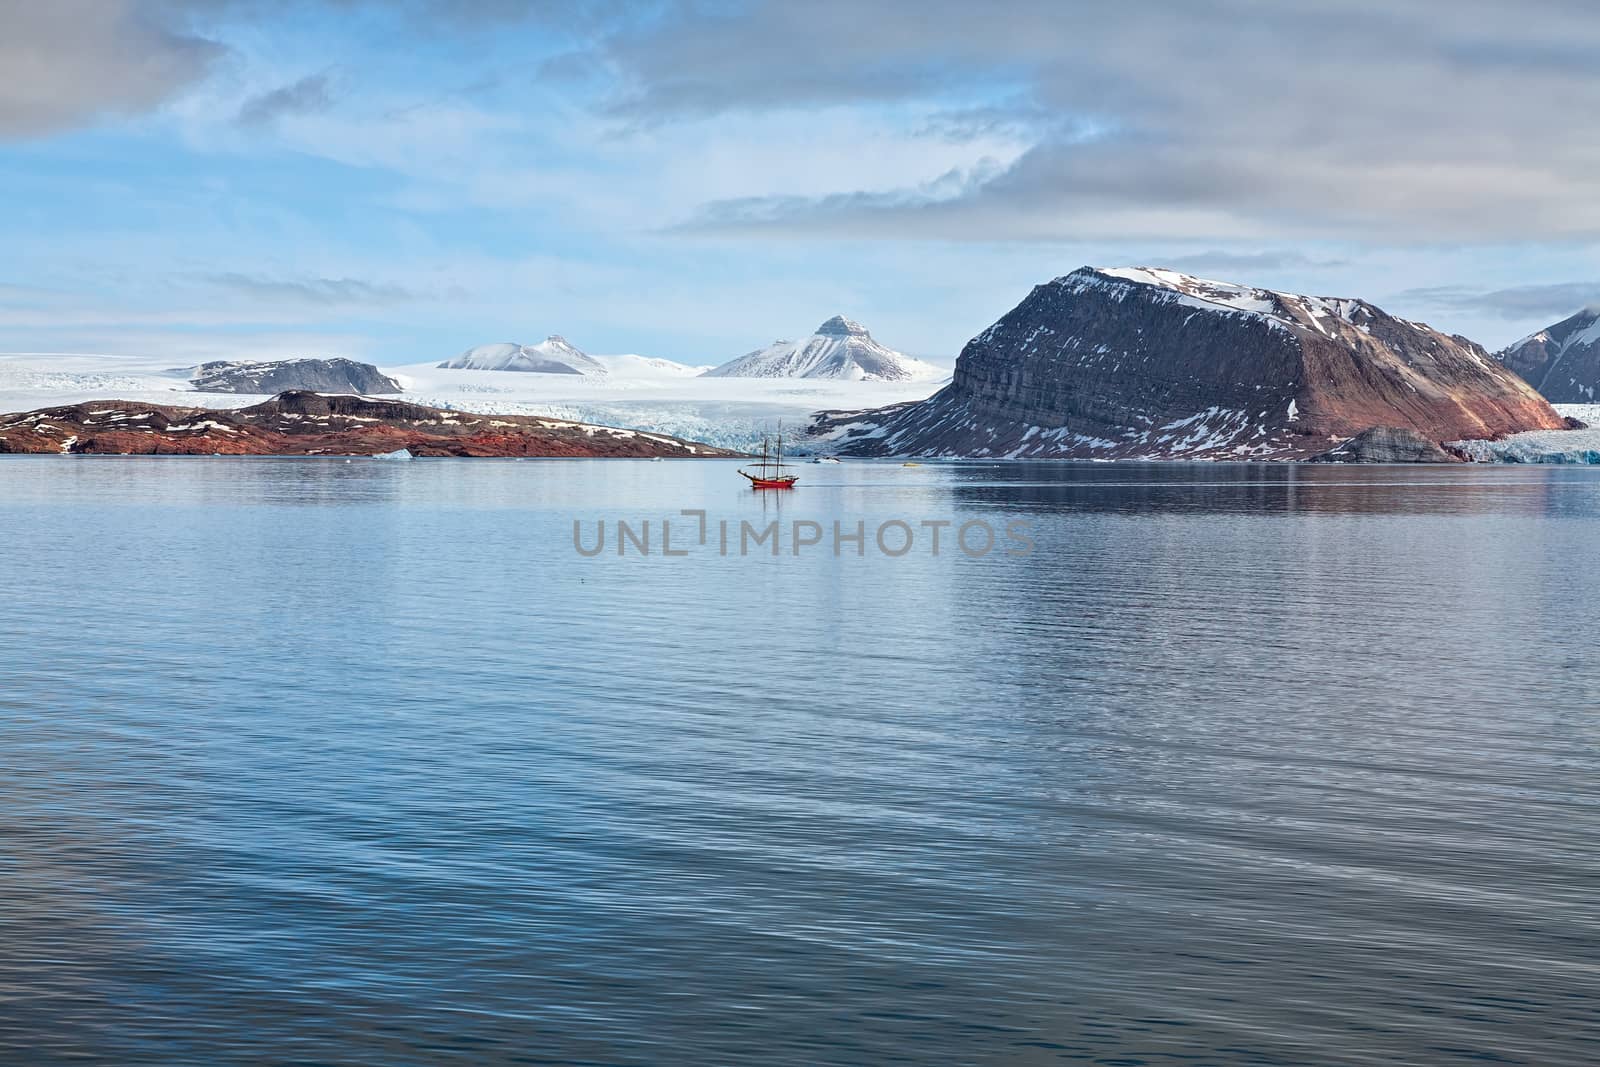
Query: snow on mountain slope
840,349
1318,313
635,366
553,355
1562,361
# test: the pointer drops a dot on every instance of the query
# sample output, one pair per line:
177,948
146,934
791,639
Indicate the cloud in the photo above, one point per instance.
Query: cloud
857,213
317,292
70,62
1248,261
1409,121
1552,302
308,95
1010,119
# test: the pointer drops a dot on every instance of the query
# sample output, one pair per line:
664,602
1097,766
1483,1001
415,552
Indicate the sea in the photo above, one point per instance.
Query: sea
366,762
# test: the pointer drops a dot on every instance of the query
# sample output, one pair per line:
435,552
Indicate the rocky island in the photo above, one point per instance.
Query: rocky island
1144,363
302,423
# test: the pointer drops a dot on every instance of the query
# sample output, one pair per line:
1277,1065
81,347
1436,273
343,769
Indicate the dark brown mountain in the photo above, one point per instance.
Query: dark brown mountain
309,424
1562,362
319,375
1146,363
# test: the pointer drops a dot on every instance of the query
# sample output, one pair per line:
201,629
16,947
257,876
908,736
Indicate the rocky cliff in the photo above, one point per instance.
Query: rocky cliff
309,424
1562,362
318,375
1387,444
1148,363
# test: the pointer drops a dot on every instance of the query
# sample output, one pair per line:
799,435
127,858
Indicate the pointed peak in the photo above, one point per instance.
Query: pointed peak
839,326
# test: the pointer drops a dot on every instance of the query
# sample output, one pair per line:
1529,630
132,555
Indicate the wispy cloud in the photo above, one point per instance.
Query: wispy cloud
1245,262
321,292
1553,301
308,95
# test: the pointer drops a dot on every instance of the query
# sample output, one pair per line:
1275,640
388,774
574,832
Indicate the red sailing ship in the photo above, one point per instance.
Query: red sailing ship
771,473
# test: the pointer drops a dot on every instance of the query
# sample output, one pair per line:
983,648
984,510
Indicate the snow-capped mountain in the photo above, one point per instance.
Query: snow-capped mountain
1148,363
839,349
1562,362
553,355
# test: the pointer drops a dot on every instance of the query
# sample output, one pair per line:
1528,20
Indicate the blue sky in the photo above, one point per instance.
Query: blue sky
398,181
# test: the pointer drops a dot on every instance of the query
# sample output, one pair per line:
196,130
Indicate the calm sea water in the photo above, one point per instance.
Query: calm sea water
324,762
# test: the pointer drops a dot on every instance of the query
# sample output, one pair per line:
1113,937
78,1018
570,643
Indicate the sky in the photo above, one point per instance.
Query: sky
397,181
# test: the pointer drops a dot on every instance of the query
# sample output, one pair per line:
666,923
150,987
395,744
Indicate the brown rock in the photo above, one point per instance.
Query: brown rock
305,424
1387,444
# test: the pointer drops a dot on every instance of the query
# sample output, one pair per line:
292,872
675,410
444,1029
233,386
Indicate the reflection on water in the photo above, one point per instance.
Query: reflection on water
359,763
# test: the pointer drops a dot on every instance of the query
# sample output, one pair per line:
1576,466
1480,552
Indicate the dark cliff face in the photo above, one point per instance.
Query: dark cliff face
1152,364
306,424
1562,362
322,375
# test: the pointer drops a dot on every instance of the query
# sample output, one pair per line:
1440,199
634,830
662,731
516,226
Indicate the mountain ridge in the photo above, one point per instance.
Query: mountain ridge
1142,362
1562,361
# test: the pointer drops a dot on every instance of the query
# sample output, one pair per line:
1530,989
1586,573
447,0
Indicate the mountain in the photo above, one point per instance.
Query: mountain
1562,362
839,349
1147,363
553,355
308,424
317,375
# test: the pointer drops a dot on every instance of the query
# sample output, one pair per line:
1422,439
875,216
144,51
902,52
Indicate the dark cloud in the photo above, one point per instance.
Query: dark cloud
1393,120
1553,302
68,62
310,94
322,292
